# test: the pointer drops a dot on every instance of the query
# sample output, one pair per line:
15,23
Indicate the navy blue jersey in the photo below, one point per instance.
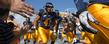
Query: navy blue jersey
47,19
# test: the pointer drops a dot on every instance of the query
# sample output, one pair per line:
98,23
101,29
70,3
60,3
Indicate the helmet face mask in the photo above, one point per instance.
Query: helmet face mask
49,7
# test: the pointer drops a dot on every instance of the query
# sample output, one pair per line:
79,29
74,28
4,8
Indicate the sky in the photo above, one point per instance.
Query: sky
60,5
